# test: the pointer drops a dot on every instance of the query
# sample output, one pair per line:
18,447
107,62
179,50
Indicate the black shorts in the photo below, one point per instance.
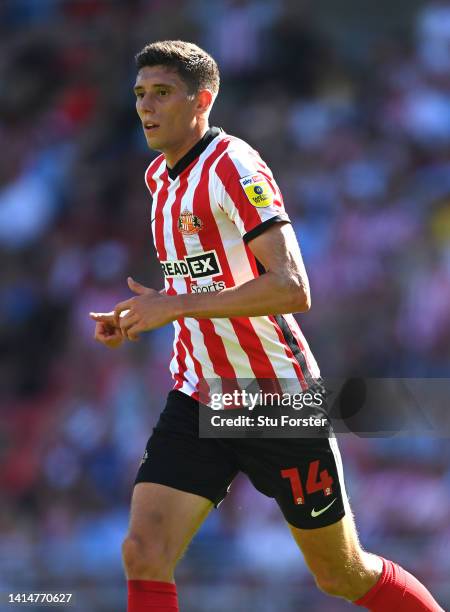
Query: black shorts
304,475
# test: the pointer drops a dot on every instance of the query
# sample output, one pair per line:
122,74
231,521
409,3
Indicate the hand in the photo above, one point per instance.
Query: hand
148,310
106,331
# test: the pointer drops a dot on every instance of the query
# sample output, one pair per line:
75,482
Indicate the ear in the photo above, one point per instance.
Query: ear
205,99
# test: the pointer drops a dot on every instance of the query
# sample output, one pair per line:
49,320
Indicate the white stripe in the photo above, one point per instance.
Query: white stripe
159,183
173,366
246,161
241,159
224,328
190,374
200,352
275,351
340,470
235,353
178,283
193,246
231,236
242,272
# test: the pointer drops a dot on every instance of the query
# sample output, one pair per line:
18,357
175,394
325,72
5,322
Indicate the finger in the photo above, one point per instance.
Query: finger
100,329
114,342
107,329
127,322
105,317
102,334
105,326
136,287
106,333
104,337
133,332
121,306
112,332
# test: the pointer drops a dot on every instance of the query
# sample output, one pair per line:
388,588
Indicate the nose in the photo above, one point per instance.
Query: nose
147,104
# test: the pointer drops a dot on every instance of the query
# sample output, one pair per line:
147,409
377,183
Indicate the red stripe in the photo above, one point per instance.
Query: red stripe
181,360
263,169
180,247
243,328
162,254
159,225
228,174
185,337
235,195
185,334
150,181
278,199
213,342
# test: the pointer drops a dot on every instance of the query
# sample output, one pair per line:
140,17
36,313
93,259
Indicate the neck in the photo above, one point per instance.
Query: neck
174,155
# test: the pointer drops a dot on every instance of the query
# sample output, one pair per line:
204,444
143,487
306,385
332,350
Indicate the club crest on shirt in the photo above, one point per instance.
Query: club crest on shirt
188,223
257,190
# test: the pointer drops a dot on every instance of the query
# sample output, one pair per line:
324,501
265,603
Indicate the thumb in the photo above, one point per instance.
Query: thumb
136,287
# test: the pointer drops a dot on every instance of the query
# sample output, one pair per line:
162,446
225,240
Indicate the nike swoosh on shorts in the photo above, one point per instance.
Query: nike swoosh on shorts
315,512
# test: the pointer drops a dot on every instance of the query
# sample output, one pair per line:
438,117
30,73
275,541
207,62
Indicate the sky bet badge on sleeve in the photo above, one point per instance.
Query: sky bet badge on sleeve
257,190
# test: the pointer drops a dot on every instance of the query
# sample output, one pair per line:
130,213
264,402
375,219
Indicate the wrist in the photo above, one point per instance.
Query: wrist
178,306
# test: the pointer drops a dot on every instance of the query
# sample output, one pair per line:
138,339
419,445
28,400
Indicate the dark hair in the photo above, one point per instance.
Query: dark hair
196,67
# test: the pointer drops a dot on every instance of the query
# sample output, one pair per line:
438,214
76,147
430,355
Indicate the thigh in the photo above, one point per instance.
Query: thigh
169,516
328,545
304,475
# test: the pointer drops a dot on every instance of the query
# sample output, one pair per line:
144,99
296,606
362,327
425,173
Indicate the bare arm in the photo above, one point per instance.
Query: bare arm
283,288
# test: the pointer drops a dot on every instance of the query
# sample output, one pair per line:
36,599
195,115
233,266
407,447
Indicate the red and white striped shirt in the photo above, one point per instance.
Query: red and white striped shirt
205,210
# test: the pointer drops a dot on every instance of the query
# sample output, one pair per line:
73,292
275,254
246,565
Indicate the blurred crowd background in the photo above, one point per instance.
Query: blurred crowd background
350,106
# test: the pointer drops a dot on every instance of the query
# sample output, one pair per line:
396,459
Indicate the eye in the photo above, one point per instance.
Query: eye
163,92
139,94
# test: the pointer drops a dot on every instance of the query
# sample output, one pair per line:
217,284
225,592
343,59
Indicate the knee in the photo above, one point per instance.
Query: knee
334,586
147,559
350,585
347,576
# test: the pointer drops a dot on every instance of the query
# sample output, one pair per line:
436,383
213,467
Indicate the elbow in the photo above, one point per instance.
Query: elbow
302,300
299,296
294,292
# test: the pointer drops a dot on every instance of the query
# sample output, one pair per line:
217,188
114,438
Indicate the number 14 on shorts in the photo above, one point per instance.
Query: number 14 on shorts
314,481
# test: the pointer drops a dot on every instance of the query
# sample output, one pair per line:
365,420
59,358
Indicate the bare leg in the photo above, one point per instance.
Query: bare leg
335,557
162,523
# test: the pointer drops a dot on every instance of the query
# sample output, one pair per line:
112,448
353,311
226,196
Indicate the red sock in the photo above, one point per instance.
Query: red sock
151,596
398,591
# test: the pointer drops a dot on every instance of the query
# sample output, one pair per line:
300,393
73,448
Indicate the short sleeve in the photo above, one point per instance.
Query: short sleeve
247,192
155,165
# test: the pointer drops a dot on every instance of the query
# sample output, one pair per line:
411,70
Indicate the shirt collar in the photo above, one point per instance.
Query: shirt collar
193,153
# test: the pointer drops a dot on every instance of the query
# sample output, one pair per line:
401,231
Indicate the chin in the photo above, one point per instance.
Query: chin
154,144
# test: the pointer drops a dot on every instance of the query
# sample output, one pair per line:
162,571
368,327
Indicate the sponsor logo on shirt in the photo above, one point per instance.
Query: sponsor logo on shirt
257,190
188,223
203,265
216,286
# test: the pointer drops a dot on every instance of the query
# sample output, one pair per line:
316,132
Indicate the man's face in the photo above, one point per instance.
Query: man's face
166,109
